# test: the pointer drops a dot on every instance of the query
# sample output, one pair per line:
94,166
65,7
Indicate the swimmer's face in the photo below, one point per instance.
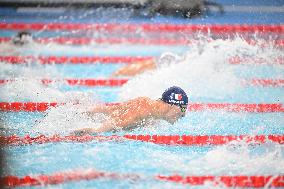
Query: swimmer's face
175,112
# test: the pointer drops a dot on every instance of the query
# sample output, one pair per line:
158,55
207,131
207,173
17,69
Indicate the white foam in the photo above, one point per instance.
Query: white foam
10,71
31,48
35,91
27,86
65,119
236,158
240,160
204,72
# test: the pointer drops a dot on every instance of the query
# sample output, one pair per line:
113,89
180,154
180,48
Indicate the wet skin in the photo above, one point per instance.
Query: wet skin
128,115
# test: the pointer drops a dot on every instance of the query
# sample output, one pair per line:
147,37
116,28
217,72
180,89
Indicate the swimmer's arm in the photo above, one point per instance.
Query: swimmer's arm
98,109
107,126
135,68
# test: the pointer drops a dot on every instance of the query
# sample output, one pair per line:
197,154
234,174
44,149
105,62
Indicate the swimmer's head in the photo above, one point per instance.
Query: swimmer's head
22,38
175,96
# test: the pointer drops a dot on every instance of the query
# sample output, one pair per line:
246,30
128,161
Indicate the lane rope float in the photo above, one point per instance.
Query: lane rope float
229,107
121,82
120,59
133,41
72,59
143,27
242,181
185,140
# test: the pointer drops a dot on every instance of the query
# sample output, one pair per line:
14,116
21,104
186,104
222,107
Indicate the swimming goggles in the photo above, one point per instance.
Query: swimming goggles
183,109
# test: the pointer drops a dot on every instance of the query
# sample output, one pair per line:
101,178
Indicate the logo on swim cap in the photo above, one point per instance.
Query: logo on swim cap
175,95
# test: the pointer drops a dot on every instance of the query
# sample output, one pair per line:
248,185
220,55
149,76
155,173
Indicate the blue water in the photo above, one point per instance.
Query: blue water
145,158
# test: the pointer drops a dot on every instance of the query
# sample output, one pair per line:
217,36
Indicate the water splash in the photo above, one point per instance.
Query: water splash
63,120
27,86
236,158
204,72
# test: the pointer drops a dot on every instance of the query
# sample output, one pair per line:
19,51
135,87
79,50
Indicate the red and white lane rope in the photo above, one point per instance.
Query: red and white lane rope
187,140
230,107
229,181
275,61
121,82
240,181
265,82
82,82
141,41
112,27
73,59
117,59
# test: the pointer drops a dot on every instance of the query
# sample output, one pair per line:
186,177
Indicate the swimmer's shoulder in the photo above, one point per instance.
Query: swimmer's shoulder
144,101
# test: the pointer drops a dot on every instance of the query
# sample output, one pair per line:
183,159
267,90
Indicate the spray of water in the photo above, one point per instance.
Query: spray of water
238,157
204,72
65,119
26,85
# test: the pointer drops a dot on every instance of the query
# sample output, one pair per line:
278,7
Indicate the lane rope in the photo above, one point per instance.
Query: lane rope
121,82
142,41
260,61
229,181
266,82
229,107
118,59
242,181
186,140
114,27
78,82
72,59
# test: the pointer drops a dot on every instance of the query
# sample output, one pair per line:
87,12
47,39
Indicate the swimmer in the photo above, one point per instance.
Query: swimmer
22,38
15,46
147,65
133,113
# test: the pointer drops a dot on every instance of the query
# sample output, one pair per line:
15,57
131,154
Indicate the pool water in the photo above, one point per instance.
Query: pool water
205,74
